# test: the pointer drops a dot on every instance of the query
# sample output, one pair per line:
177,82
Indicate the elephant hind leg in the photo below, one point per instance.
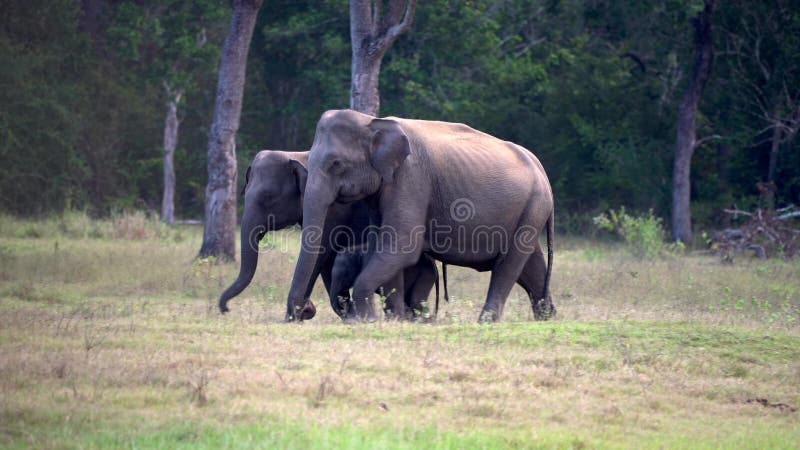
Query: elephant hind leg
505,273
393,292
532,279
420,280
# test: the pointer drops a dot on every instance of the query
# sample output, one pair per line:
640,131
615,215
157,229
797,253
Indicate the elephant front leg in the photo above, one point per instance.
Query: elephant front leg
305,309
362,307
377,272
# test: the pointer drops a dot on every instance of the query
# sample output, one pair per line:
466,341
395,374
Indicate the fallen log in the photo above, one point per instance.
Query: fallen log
764,232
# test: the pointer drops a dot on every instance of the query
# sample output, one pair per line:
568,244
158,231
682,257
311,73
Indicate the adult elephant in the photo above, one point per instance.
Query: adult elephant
273,191
460,195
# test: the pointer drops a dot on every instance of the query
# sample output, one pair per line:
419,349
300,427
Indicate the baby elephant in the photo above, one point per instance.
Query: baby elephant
417,281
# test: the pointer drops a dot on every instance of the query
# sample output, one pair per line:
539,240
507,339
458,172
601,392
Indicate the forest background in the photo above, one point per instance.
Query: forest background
591,87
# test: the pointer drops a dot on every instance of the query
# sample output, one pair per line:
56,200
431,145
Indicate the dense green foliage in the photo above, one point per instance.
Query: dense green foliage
591,87
643,235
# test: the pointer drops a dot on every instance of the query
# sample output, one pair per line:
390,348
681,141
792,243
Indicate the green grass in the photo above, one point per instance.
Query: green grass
111,339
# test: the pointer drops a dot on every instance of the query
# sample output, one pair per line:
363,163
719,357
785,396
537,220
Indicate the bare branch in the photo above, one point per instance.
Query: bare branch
737,212
408,18
789,215
530,44
702,141
376,17
757,51
760,142
635,58
774,124
173,95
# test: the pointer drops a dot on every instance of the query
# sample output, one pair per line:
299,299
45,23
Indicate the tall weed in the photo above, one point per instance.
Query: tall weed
125,225
644,235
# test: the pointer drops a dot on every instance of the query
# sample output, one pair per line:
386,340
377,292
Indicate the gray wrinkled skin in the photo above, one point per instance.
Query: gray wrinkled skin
273,193
419,174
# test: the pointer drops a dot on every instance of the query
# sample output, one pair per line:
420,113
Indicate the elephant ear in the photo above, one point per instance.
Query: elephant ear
246,179
389,147
300,174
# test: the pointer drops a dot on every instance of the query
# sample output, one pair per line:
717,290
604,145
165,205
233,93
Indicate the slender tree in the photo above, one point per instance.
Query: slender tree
219,234
171,124
372,32
686,140
165,43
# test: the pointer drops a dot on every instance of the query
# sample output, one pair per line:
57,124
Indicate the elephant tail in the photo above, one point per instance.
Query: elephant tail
444,280
550,236
436,283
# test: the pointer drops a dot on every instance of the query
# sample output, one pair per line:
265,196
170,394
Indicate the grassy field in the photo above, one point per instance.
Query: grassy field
110,338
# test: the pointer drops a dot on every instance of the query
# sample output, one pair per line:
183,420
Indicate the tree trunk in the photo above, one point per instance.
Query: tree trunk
219,234
777,138
686,138
364,95
723,179
171,125
371,35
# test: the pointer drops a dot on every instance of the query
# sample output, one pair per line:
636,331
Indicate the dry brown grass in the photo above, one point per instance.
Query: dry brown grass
109,343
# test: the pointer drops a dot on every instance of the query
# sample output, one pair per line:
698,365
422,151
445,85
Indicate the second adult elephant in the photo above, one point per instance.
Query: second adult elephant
460,195
273,191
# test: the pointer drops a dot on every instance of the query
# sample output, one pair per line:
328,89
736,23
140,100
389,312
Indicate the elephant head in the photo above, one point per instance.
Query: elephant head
273,191
353,156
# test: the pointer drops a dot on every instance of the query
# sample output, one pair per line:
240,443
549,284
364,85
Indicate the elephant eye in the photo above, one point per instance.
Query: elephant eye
335,166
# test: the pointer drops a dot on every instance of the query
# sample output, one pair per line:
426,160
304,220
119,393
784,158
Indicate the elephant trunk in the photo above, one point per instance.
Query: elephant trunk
253,229
315,209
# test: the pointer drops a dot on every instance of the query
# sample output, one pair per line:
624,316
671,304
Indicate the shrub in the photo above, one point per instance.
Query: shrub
78,225
134,225
643,235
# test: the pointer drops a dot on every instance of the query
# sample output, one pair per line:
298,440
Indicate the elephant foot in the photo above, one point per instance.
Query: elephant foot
361,311
543,309
308,312
390,315
305,312
354,319
488,316
354,316
419,314
350,320
342,306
